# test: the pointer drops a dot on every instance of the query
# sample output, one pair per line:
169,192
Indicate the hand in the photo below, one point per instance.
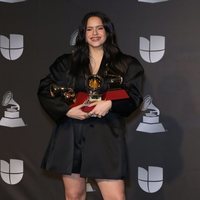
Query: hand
77,113
101,108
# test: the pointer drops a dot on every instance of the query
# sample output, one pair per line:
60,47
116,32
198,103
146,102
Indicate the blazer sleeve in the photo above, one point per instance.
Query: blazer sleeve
132,83
55,107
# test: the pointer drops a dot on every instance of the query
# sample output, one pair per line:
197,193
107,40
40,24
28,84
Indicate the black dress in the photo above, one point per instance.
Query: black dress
94,147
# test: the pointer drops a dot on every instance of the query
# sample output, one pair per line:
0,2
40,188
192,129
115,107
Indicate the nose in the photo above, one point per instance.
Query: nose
95,31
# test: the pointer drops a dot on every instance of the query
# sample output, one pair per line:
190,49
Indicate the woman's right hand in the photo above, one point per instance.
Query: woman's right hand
77,113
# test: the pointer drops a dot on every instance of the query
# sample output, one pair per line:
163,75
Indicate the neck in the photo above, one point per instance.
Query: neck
96,52
96,56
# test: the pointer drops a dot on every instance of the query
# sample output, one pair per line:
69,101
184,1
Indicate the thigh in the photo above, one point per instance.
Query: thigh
112,189
74,185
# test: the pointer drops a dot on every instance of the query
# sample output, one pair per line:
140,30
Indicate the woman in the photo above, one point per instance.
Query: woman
91,143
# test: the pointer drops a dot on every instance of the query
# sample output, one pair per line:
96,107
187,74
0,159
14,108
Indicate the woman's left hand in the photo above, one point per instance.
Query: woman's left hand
101,108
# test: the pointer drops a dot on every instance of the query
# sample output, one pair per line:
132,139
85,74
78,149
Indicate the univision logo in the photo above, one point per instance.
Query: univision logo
150,180
89,187
12,48
12,172
152,1
12,1
152,50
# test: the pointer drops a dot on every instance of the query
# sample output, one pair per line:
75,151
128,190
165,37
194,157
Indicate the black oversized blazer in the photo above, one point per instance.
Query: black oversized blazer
104,152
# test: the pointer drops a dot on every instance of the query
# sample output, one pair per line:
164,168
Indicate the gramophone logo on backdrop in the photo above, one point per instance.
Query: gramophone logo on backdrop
152,50
11,114
150,123
152,1
150,180
12,1
12,172
73,38
12,48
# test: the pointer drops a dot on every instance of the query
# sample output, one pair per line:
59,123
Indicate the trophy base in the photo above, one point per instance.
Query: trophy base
150,128
94,98
11,114
151,120
10,122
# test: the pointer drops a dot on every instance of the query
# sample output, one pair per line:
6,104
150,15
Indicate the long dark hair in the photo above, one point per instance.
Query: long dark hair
80,55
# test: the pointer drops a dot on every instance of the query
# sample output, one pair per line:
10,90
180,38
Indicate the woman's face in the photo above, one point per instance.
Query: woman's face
95,34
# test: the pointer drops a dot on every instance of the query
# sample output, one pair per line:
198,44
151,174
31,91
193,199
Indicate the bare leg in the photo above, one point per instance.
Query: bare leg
112,189
75,187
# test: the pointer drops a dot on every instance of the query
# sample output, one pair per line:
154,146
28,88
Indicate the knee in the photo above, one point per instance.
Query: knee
120,197
75,195
115,196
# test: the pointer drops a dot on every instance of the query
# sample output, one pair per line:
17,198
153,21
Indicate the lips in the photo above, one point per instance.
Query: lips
95,39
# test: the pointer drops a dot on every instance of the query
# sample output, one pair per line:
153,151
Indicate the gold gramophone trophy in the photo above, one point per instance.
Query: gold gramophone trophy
67,94
94,84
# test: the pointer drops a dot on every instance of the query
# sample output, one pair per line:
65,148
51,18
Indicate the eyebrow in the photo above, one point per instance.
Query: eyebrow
94,26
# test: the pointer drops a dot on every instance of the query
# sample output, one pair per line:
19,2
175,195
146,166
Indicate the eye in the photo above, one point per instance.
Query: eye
88,29
100,28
